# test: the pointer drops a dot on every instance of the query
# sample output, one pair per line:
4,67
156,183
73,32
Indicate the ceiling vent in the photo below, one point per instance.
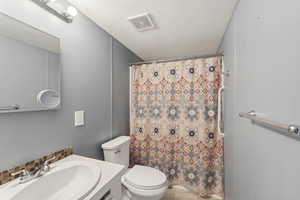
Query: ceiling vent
142,22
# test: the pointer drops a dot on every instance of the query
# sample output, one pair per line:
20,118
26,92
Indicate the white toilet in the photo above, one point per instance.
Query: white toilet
139,182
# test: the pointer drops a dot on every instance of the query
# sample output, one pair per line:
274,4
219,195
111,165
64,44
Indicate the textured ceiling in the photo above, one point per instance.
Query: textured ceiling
184,27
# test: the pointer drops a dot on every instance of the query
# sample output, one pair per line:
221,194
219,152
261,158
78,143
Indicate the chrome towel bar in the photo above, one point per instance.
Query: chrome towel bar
287,128
13,107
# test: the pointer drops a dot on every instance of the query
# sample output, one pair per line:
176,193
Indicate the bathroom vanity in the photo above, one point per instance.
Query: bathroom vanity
72,178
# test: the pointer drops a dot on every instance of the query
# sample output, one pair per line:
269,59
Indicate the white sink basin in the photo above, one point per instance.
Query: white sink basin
70,180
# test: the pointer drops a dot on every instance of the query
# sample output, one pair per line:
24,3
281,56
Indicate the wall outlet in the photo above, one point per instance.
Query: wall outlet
79,118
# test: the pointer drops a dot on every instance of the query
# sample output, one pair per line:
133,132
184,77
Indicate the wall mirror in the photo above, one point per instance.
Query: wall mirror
29,68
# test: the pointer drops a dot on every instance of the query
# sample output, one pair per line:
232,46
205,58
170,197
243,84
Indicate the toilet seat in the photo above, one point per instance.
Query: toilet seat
145,178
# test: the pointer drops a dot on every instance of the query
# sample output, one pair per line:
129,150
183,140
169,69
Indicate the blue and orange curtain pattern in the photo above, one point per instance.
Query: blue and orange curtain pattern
174,122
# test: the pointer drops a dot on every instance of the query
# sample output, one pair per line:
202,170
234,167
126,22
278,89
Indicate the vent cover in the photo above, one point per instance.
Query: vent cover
142,22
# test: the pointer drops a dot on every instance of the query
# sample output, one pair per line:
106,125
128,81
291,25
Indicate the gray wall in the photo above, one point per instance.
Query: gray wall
261,51
19,61
86,53
120,97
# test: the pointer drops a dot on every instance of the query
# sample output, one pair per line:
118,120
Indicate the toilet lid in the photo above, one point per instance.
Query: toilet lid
145,178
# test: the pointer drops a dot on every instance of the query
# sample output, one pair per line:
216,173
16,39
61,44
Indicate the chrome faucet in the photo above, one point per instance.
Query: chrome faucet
45,167
25,174
39,171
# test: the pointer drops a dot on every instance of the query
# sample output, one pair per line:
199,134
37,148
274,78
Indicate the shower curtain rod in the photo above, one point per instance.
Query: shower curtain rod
173,60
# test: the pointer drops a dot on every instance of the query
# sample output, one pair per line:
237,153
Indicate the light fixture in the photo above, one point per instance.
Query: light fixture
60,8
72,11
47,1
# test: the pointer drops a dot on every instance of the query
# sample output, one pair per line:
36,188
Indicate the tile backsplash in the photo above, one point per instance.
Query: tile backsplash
5,176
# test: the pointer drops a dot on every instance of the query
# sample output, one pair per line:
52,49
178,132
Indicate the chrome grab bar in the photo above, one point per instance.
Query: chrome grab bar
12,107
287,128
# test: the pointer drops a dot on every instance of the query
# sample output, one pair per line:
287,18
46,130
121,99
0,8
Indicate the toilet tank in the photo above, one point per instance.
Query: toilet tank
117,150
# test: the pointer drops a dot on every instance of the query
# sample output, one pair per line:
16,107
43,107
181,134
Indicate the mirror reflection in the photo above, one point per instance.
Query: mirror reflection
29,67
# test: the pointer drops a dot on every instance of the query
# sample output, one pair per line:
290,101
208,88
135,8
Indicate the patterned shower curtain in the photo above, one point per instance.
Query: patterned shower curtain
174,122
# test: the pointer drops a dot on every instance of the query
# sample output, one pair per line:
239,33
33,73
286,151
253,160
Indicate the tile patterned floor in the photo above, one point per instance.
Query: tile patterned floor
180,193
